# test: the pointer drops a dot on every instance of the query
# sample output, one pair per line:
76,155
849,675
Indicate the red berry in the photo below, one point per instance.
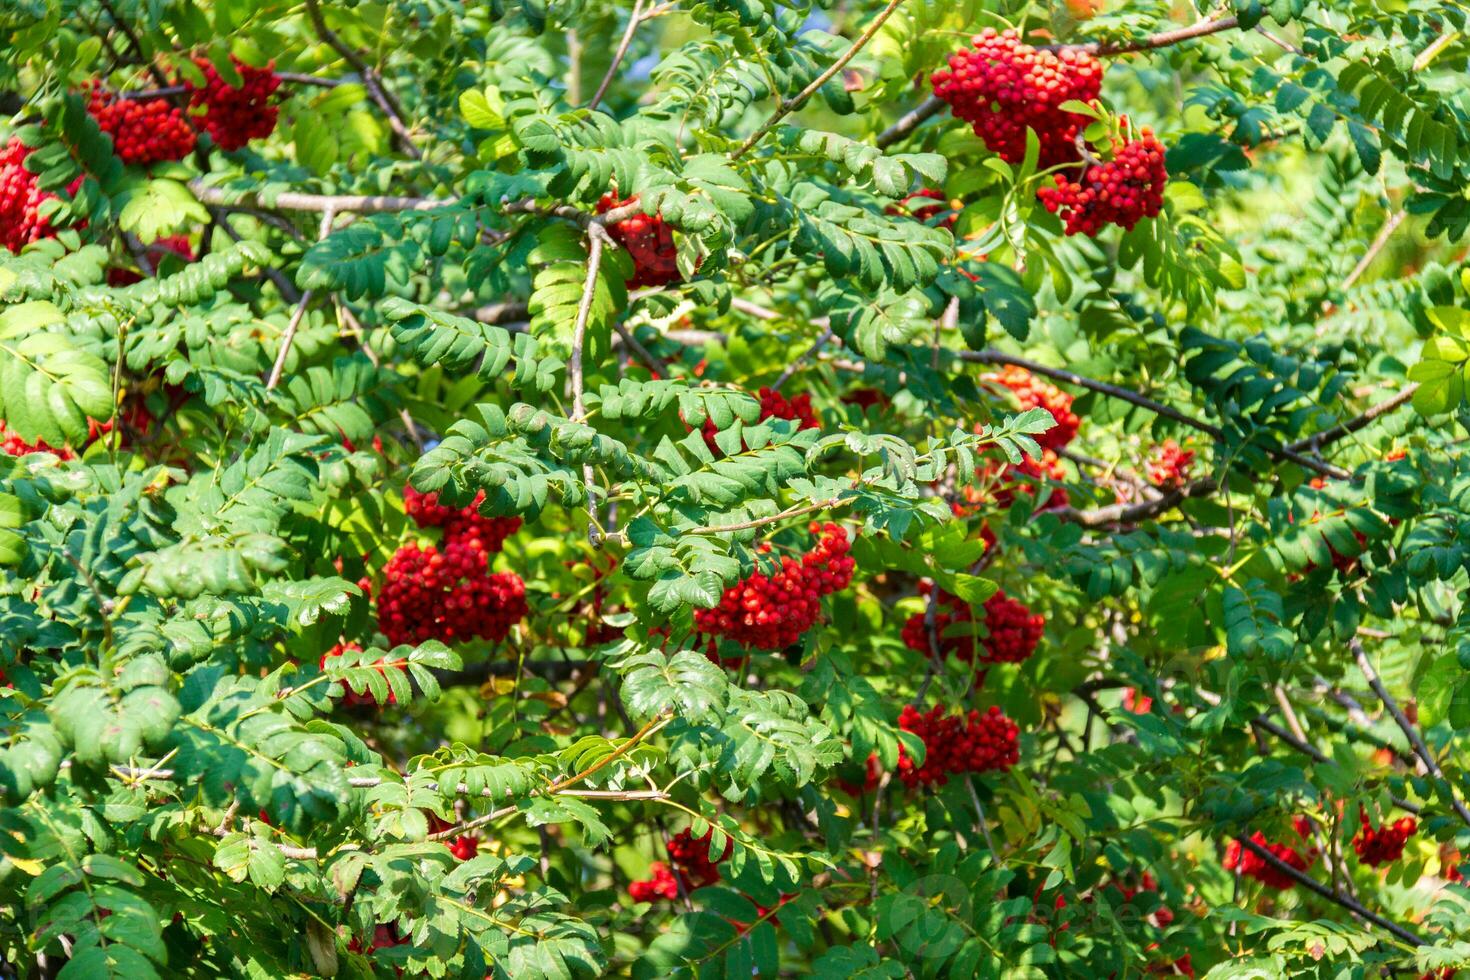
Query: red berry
235,116
1170,466
143,131
771,612
1013,631
1120,191
974,742
1032,392
1385,844
21,198
1004,87
450,595
650,242
1251,864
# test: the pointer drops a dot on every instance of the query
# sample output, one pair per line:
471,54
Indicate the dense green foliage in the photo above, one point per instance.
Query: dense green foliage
425,277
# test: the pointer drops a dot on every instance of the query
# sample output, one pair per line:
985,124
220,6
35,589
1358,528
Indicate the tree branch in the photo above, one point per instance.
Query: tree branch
788,106
1311,884
1361,421
370,80
612,70
1407,727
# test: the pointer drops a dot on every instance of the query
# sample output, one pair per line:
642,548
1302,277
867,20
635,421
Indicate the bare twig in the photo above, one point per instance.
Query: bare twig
807,355
1374,247
910,121
1311,884
370,79
634,20
788,106
274,377
293,201
1408,728
1363,420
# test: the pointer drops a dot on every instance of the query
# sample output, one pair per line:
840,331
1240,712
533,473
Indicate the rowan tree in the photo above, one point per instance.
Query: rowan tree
694,488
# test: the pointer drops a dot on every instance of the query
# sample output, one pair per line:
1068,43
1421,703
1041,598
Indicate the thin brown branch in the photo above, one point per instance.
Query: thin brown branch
1374,247
1363,420
274,377
385,100
805,356
789,106
634,20
1313,885
1411,732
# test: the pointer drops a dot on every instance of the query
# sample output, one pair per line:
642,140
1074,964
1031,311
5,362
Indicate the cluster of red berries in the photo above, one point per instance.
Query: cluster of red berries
1032,392
1004,87
12,444
925,204
460,523
143,131
1169,468
649,241
1385,844
463,847
692,868
770,612
21,197
774,405
384,937
350,697
1013,631
961,743
450,594
1120,191
872,776
233,116
1252,865
1343,563
1003,481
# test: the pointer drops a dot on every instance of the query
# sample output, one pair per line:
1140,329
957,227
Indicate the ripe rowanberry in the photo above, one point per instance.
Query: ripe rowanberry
1013,631
926,205
1120,191
973,742
21,197
1003,87
1169,468
872,777
690,856
1001,481
772,611
662,884
1385,844
774,406
143,131
350,697
1252,865
234,116
1032,392
449,596
463,847
13,445
649,241
460,524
